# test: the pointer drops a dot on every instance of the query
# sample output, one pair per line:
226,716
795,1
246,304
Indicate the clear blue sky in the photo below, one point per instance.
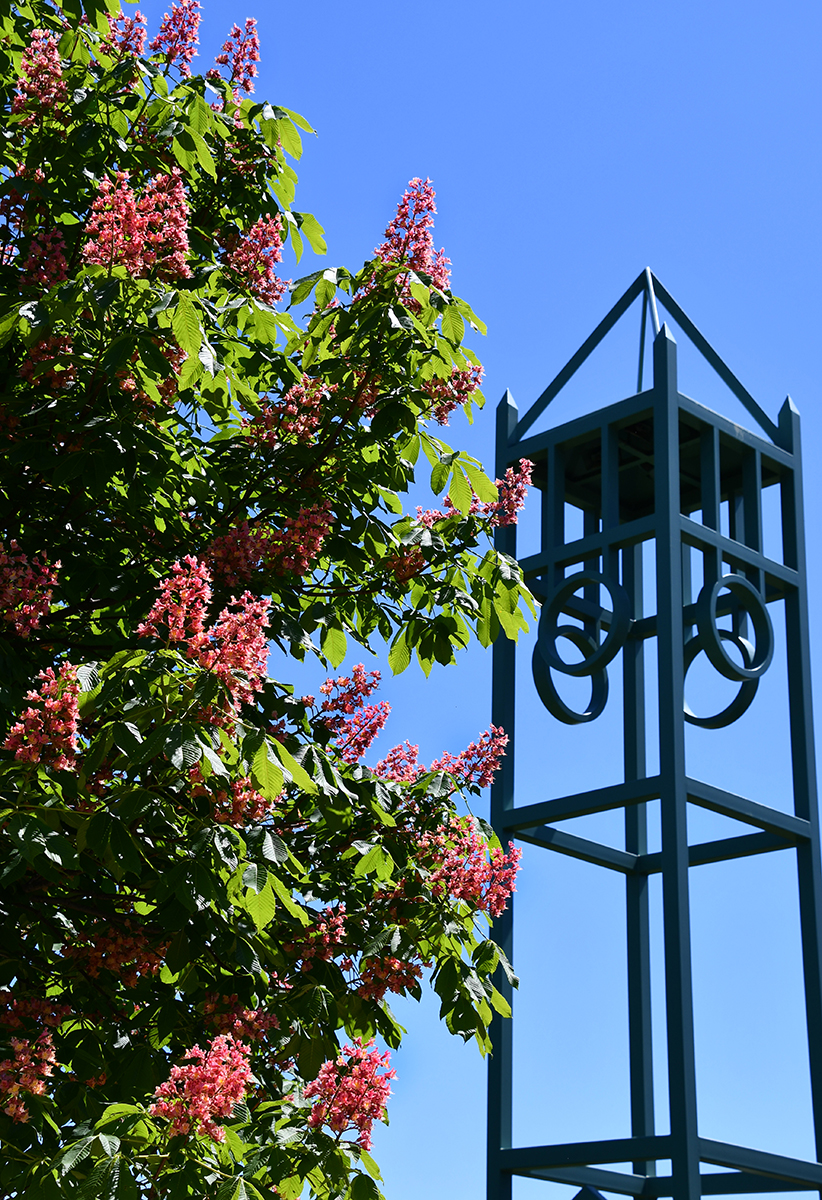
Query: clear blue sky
570,146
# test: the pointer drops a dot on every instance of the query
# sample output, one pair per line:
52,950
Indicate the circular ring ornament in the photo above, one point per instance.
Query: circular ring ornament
711,636
601,654
547,691
596,655
743,698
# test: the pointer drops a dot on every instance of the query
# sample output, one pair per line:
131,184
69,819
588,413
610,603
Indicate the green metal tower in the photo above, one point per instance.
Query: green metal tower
639,469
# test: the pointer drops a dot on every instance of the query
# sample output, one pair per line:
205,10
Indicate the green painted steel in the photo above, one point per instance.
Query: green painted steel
638,469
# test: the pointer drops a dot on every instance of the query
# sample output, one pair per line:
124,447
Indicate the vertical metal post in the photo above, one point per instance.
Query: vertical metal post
673,799
500,1063
803,756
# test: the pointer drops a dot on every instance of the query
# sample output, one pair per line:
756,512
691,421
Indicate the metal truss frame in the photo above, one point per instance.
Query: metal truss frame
640,469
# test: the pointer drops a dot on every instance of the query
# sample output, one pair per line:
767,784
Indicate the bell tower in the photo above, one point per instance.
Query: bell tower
658,467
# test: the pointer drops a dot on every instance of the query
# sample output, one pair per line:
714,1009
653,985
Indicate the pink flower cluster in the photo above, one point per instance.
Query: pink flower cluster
240,52
142,235
25,1074
197,1096
47,731
46,262
237,554
346,714
478,764
14,1011
254,258
401,764
381,975
41,88
297,415
48,350
448,394
127,953
234,648
408,237
26,589
464,869
351,1092
406,563
179,35
240,805
473,767
245,1024
513,490
320,941
128,35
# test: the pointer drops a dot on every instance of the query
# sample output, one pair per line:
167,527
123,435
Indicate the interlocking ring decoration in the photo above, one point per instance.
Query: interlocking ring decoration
596,655
709,637
756,657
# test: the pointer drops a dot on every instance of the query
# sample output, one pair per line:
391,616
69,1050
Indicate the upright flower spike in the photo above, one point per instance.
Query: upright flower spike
408,236
466,870
128,35
165,238
240,53
350,1092
178,38
143,235
254,258
26,588
180,612
45,263
205,1091
47,731
41,88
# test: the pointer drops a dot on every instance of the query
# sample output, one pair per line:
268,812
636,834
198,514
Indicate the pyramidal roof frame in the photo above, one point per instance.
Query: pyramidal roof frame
650,287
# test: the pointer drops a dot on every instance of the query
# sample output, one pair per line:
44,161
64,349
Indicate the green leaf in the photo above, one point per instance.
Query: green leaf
378,862
460,491
399,656
261,905
482,485
74,1155
364,1188
439,476
313,231
334,644
186,324
453,326
297,773
370,1166
266,773
255,876
288,903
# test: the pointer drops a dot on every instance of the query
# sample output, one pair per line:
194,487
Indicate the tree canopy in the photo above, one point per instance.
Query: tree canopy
206,895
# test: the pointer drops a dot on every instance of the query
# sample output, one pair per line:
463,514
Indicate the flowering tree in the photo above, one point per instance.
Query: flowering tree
206,895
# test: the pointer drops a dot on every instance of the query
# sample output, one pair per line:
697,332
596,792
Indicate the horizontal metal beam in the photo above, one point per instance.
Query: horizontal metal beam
595,1177
582,848
721,850
582,1154
695,534
649,864
580,805
720,1183
739,807
735,1183
628,534
759,1162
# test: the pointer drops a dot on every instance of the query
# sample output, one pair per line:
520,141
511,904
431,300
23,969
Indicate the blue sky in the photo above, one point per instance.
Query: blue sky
571,145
